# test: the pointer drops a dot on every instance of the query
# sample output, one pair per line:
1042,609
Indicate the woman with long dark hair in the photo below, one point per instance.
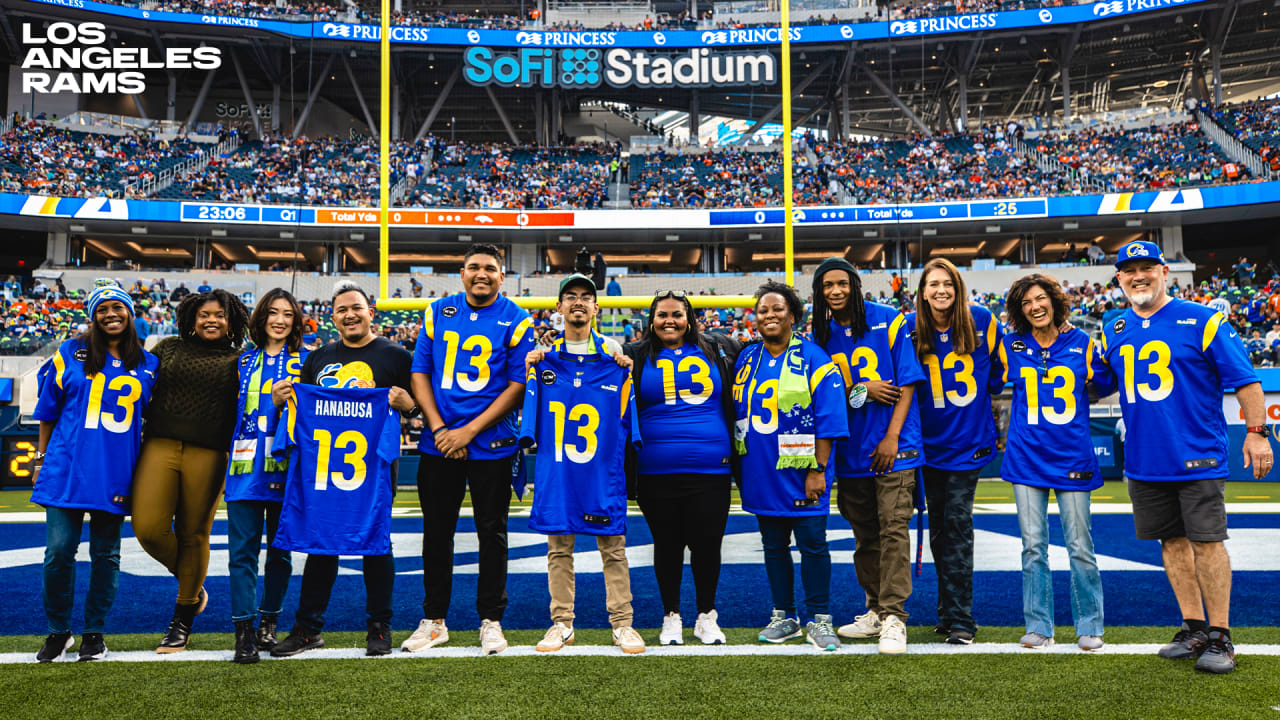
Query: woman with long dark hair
956,344
683,380
92,394
255,479
789,411
184,454
1049,448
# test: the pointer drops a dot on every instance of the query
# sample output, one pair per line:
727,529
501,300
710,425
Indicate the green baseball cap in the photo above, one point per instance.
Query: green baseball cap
577,279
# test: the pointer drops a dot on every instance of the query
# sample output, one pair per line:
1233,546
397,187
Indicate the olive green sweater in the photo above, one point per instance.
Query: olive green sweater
195,394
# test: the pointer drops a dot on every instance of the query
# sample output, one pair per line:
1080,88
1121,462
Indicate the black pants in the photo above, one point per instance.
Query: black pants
318,577
686,511
949,496
442,484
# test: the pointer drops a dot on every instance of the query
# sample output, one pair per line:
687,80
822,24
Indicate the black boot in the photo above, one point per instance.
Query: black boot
179,632
267,632
246,647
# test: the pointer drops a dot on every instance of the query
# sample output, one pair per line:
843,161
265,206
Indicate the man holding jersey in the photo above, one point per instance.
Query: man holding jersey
1173,359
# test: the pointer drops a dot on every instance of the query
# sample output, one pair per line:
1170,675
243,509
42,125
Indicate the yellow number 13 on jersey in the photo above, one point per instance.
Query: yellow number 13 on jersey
588,420
356,447
1158,354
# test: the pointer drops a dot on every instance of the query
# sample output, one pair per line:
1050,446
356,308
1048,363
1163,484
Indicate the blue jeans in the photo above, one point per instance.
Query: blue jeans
949,496
1037,582
815,561
62,528
245,521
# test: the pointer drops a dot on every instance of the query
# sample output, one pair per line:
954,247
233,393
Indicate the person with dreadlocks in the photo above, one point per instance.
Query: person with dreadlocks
184,451
876,466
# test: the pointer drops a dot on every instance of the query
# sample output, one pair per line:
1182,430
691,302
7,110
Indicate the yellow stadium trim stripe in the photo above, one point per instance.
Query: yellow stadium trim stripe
49,206
1210,331
518,334
894,327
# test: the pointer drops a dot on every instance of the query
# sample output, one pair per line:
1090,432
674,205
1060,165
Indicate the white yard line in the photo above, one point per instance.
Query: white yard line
789,650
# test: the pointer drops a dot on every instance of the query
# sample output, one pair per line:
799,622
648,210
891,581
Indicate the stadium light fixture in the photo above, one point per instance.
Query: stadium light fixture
566,238
76,228
357,237
672,238
286,234
929,232
138,229
1070,225
464,238
993,228
755,236
1133,222
870,233
218,232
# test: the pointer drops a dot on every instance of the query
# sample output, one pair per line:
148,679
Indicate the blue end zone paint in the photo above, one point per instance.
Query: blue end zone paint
144,604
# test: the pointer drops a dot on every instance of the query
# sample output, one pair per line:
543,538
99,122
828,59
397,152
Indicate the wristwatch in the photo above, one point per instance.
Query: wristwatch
1262,430
820,467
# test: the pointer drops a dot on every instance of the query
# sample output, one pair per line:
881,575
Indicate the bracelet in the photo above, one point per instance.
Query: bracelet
439,430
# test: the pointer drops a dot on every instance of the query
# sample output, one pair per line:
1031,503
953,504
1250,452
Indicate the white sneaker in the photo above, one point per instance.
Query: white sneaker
707,629
429,634
864,626
672,630
492,641
557,637
628,639
893,636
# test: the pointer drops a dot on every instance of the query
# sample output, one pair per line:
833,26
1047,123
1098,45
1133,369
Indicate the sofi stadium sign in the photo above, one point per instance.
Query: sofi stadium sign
618,67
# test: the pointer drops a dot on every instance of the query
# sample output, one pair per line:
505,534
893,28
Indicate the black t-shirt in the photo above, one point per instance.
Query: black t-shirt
381,363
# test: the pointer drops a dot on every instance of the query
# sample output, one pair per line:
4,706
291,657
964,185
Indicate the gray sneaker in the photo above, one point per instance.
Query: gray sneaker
821,633
1219,655
1089,643
1035,641
780,628
1186,644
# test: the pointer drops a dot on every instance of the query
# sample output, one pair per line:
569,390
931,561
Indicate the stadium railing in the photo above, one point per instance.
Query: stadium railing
1235,149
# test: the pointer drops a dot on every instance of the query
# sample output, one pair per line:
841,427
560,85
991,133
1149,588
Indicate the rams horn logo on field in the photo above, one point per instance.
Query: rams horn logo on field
1118,326
82,354
548,377
1018,346
449,311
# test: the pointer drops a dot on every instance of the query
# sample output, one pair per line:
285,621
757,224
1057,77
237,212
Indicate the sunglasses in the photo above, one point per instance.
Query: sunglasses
664,294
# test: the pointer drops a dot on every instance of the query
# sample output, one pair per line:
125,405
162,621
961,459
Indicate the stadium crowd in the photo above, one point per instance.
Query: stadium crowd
1256,124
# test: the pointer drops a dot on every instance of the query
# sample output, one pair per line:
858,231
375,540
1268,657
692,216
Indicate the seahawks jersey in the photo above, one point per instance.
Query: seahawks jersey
1049,444
340,443
884,352
1172,369
766,489
956,423
471,354
682,416
580,412
90,457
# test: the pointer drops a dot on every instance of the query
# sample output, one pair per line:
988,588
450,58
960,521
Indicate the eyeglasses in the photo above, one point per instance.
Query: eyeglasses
1044,362
664,294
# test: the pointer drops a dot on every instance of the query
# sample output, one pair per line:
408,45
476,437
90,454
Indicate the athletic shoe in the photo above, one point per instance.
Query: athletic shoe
1036,641
942,629
378,640
297,642
492,641
960,636
1186,644
864,626
780,628
557,636
92,647
628,639
707,629
672,630
893,636
1218,656
821,634
429,634
1089,643
55,647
